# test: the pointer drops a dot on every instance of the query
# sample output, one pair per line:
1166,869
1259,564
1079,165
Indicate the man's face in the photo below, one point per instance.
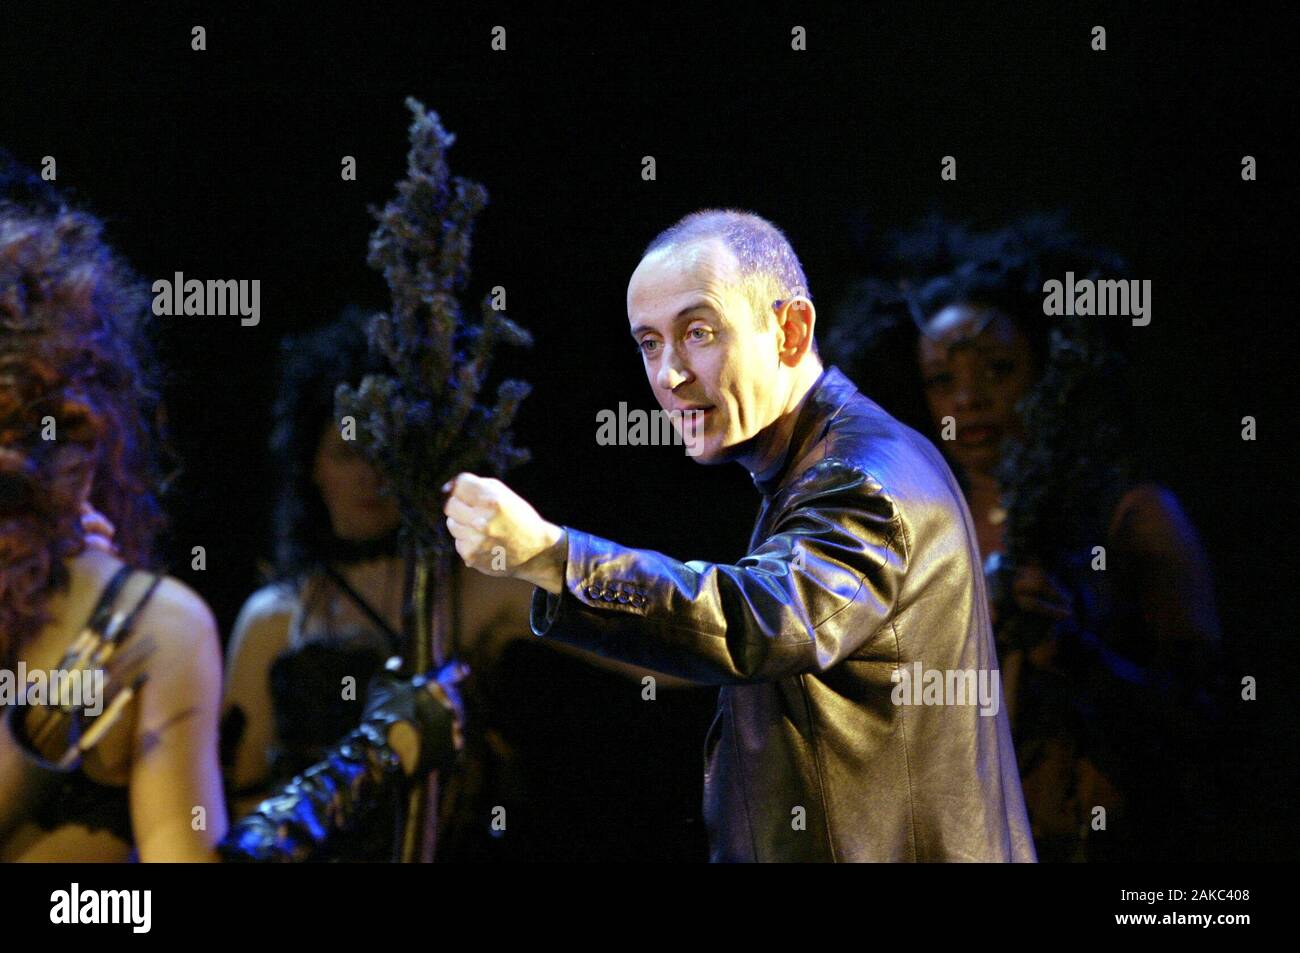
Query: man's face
697,333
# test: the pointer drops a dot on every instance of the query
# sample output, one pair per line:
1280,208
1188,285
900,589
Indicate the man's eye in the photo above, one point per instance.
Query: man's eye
704,334
647,346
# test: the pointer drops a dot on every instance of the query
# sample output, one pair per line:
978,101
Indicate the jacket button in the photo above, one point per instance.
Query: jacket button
593,592
624,598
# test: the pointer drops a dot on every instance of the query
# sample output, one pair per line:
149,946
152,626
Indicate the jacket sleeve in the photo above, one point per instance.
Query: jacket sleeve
811,593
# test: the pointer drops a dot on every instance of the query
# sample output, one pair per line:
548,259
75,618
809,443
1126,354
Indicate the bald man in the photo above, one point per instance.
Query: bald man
860,716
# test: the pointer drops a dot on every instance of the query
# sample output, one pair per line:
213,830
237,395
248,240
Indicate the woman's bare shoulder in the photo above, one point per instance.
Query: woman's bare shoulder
1149,516
182,612
184,647
170,606
262,627
274,600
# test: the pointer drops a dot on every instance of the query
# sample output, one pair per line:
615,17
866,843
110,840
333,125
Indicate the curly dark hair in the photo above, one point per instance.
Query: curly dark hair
23,189
77,401
1061,483
312,366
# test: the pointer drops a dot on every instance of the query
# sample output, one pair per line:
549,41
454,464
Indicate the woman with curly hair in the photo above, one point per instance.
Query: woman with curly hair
132,769
1100,590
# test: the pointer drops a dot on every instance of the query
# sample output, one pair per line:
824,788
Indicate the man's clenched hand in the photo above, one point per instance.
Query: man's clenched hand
498,533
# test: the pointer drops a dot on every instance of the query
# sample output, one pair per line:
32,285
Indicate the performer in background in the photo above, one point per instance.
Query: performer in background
131,768
332,615
1108,673
863,563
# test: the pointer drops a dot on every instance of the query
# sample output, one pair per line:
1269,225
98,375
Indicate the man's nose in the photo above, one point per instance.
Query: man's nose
672,372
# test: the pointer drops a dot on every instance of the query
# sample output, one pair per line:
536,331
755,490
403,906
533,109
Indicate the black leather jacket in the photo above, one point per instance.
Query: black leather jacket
863,563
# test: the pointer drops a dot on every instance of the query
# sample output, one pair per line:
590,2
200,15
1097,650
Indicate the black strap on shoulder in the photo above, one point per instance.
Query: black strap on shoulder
129,622
101,619
103,611
394,638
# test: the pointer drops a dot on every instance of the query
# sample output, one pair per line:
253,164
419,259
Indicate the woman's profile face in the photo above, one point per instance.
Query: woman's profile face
975,366
350,486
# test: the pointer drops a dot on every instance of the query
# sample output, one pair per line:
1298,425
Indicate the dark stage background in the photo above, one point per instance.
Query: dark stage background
225,164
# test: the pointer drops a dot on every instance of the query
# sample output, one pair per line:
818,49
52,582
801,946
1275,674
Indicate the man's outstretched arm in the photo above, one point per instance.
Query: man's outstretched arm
810,595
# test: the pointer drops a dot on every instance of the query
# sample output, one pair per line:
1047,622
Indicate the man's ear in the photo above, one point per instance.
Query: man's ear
795,319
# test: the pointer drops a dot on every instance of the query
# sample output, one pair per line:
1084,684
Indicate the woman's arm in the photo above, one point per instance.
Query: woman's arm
1171,581
178,812
409,728
261,633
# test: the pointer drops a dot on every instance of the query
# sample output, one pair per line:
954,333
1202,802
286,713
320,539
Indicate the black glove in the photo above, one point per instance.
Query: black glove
390,700
333,796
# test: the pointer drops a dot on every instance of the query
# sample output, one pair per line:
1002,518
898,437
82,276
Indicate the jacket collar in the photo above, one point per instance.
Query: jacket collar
823,401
